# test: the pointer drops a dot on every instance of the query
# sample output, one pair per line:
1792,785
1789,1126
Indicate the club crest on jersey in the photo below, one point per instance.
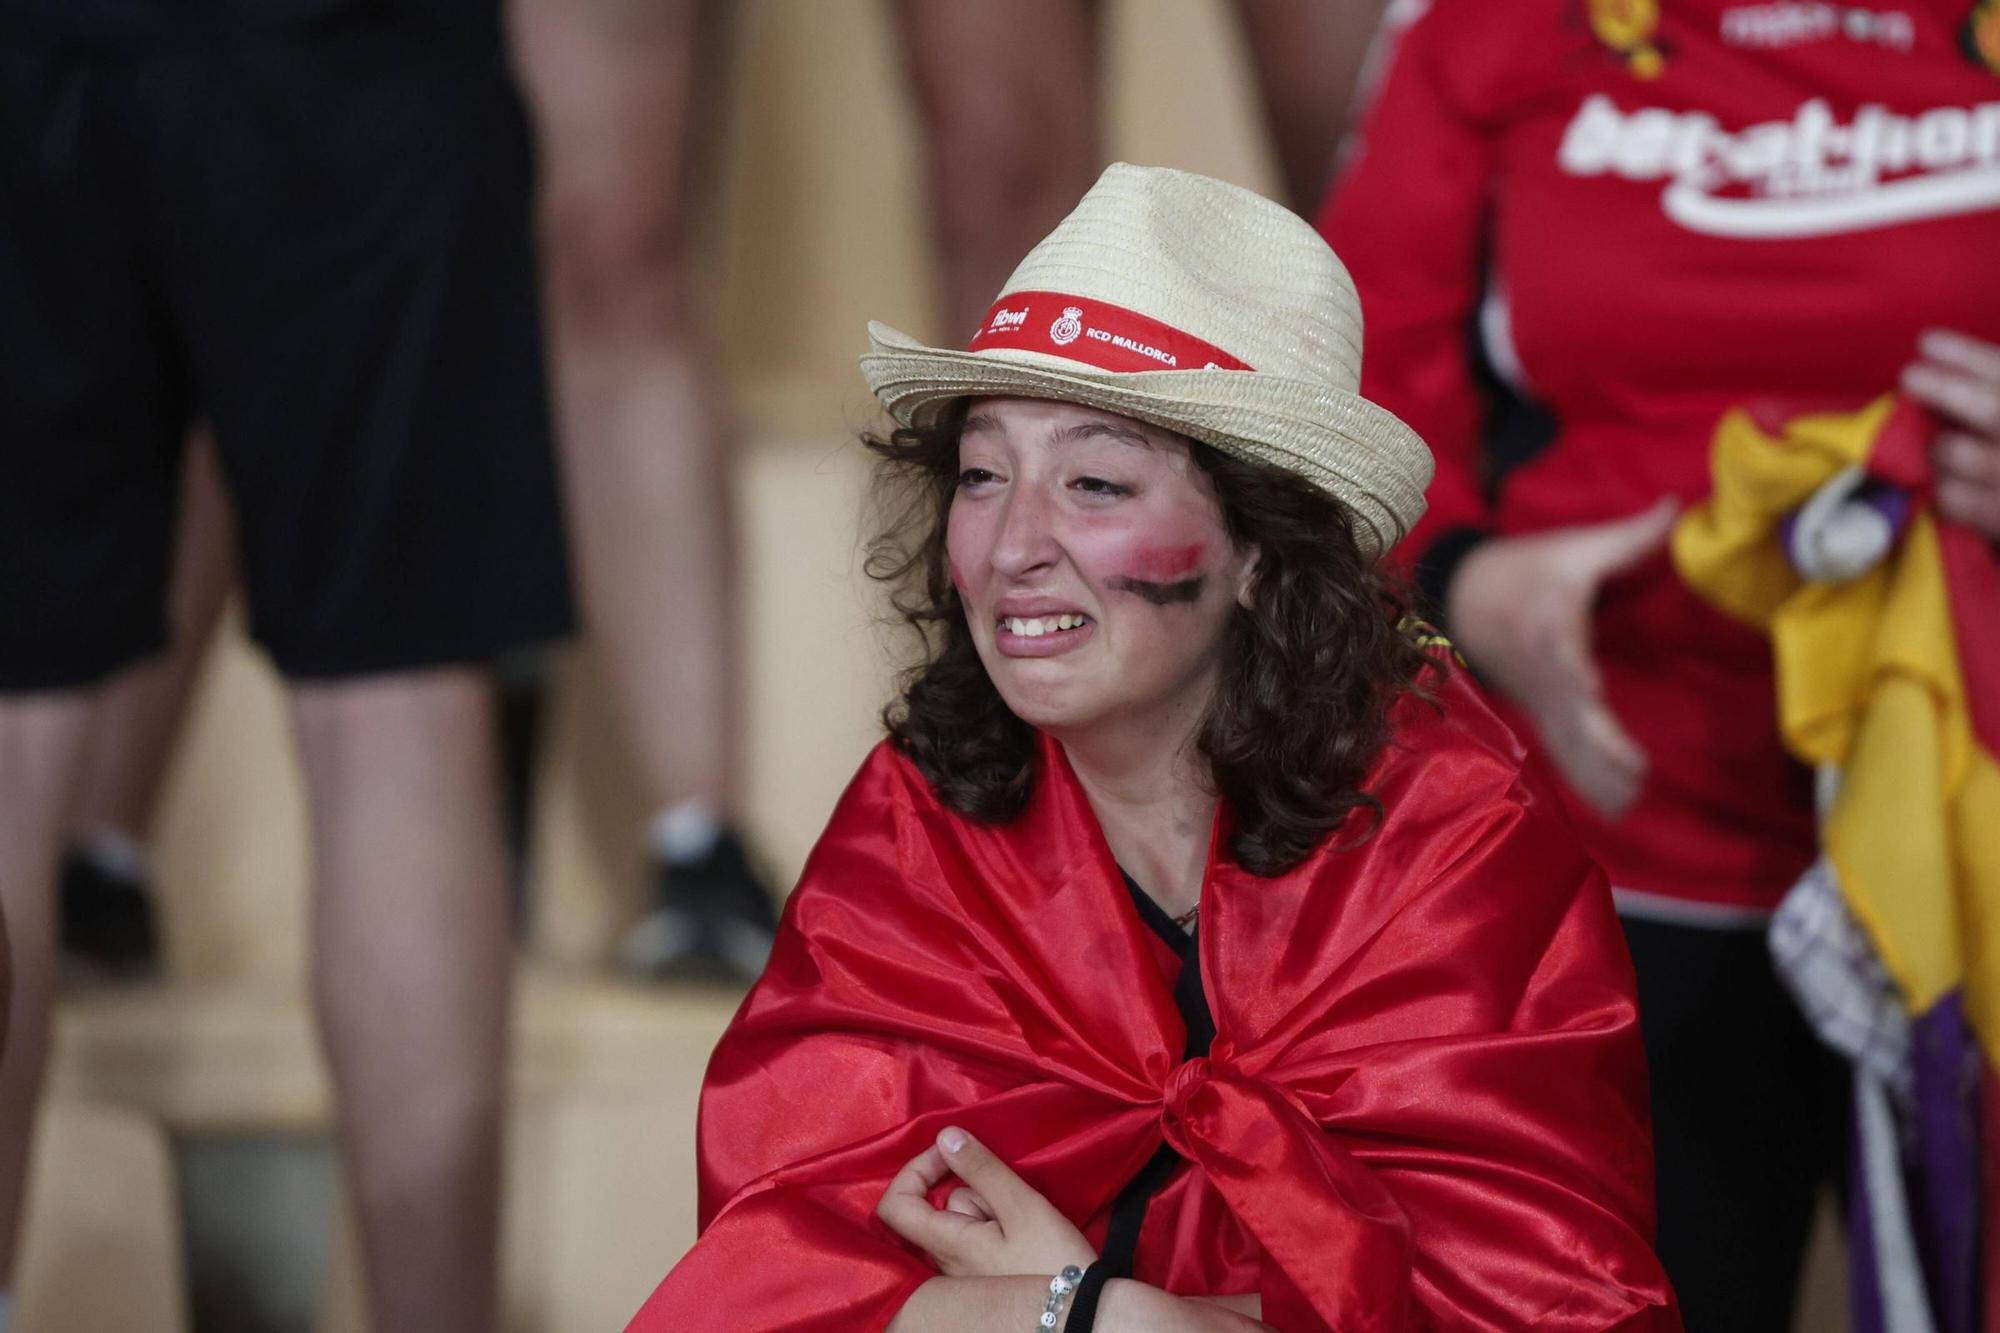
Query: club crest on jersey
1069,328
1628,27
1980,37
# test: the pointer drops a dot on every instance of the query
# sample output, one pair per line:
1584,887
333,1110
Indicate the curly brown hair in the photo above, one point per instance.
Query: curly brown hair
1309,668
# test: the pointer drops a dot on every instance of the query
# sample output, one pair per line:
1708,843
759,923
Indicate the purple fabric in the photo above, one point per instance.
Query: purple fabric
1938,1149
1892,502
1945,1161
1864,1287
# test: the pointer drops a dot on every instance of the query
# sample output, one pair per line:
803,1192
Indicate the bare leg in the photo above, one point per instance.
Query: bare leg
1008,94
1308,56
41,745
410,971
139,712
614,90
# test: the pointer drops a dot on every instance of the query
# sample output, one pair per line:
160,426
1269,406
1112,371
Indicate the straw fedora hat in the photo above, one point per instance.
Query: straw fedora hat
1198,307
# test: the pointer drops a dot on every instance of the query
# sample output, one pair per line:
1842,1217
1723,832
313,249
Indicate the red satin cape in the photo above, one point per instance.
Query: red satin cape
1425,1106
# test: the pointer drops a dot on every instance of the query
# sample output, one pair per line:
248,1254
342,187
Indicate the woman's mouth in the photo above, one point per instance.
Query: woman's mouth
1041,636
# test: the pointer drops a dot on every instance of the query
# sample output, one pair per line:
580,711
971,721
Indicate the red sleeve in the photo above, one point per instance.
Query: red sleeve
1407,217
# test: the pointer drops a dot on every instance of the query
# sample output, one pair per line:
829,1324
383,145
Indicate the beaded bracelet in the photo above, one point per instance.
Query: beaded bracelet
1060,1287
1083,1306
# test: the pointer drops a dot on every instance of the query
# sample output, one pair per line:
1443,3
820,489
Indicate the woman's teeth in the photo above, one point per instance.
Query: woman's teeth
1037,625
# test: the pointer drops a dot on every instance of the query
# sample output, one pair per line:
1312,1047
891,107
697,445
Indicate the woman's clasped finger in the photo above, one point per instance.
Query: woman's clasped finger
1004,1192
967,1203
1028,1234
905,1208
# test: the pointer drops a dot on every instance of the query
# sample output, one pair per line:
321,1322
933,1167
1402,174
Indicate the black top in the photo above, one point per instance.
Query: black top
1128,1211
122,20
1188,996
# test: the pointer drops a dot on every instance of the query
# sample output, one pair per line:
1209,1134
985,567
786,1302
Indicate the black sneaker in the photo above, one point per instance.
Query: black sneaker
714,921
107,922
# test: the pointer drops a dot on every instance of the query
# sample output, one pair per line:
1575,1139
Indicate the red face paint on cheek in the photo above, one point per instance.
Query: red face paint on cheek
1167,564
957,579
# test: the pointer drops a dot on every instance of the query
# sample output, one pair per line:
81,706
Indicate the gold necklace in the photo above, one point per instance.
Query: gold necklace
1186,919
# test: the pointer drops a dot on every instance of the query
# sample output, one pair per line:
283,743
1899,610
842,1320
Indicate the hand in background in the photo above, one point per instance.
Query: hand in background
1520,610
1959,378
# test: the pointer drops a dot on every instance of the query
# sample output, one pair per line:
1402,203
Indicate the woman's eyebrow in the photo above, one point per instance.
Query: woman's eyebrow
1113,430
979,421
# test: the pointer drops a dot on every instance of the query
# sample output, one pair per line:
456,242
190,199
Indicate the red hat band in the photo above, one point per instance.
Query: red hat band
1095,333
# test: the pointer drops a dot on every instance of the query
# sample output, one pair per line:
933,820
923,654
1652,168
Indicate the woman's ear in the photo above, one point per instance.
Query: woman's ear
1247,578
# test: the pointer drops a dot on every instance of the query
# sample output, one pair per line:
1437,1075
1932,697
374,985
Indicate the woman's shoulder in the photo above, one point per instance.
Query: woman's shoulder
868,845
887,778
885,791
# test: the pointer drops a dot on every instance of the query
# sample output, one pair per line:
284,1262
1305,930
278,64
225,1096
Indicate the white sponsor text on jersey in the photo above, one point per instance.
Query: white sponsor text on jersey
1808,176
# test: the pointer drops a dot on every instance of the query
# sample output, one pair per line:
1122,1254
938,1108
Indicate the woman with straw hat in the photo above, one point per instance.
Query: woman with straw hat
1196,952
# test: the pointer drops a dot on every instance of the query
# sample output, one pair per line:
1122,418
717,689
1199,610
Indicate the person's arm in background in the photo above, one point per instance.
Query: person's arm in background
1408,217
1958,376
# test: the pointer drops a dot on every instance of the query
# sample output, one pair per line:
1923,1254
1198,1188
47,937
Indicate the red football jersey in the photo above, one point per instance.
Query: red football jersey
1650,211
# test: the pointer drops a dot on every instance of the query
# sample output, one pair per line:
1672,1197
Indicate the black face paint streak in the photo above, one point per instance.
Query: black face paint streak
1186,592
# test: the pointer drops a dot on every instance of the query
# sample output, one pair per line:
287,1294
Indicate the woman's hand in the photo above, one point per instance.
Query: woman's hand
1959,378
1520,609
996,1226
993,1225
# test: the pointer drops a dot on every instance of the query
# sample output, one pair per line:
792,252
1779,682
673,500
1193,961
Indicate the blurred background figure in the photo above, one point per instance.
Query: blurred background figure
108,913
626,99
619,92
307,225
1011,100
626,103
1581,233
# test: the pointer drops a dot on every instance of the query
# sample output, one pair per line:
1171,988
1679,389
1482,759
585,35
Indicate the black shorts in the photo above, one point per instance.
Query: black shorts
319,242
1750,1120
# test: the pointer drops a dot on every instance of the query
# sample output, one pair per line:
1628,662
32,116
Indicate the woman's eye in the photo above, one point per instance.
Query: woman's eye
1099,486
973,476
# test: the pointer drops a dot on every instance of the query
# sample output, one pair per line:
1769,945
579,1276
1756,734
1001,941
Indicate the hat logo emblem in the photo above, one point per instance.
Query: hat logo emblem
1069,328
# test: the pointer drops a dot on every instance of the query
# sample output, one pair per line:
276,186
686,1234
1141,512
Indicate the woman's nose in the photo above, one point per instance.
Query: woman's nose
1026,539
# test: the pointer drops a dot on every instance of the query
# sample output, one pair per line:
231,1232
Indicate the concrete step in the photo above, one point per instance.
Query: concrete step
102,1244
600,1182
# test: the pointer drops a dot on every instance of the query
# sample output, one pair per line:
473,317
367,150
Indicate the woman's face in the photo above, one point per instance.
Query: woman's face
1090,555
